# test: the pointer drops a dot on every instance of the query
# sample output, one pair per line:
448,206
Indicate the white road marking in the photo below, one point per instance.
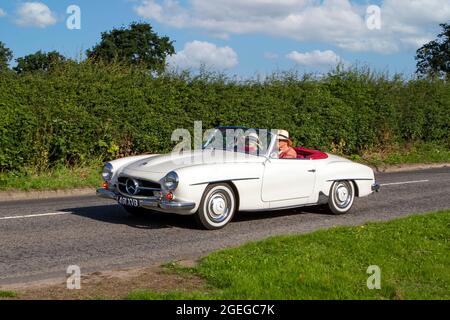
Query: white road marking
406,182
35,215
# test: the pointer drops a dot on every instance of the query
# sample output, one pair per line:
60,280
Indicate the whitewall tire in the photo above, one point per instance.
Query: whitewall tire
217,207
342,196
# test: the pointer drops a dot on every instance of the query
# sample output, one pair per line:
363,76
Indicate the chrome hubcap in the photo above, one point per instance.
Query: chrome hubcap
218,206
343,195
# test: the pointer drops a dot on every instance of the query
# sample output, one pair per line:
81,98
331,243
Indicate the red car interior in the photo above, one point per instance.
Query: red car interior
303,153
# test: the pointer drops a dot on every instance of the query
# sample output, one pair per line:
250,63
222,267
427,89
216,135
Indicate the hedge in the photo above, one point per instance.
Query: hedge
80,112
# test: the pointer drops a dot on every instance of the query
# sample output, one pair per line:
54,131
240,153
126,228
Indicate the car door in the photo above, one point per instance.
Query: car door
288,179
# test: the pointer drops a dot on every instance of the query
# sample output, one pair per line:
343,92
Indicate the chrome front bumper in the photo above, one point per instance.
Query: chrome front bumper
152,203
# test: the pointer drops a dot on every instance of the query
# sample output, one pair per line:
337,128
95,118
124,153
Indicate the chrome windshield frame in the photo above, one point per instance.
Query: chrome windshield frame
273,139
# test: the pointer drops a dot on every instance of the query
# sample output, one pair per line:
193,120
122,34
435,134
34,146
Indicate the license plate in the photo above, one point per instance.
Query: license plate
128,202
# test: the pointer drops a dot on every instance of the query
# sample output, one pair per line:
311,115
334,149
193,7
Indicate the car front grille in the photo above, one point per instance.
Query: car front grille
145,188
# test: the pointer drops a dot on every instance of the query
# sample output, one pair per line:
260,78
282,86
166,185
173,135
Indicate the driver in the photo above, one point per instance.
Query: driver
285,146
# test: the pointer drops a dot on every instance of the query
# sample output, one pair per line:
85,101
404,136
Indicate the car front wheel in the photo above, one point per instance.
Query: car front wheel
342,196
217,207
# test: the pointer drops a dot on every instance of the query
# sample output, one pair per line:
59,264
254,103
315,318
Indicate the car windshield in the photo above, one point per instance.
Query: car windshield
244,140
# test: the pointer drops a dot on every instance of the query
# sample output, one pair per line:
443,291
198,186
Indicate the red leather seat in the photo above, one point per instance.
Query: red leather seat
303,153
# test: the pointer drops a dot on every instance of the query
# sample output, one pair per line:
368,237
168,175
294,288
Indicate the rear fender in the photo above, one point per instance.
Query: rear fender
363,177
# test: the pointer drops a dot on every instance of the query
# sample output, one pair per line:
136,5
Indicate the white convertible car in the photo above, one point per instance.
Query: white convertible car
222,178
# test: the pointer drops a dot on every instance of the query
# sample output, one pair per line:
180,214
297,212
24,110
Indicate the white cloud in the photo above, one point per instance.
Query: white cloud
170,12
2,13
315,58
35,14
405,23
416,13
149,10
197,54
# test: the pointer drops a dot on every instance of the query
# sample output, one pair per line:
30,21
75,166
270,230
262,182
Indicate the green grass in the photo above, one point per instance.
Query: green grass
57,179
416,153
413,254
8,294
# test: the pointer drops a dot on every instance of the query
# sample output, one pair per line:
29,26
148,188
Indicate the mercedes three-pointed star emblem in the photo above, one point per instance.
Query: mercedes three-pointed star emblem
132,186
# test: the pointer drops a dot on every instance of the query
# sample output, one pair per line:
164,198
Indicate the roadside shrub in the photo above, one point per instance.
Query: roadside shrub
80,112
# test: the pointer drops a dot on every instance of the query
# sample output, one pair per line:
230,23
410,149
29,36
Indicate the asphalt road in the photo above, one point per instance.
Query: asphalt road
40,239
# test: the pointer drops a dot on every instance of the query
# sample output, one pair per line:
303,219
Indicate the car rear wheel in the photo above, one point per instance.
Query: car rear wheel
217,207
342,196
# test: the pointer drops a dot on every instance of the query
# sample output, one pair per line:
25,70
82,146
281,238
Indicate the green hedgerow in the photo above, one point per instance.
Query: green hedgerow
79,112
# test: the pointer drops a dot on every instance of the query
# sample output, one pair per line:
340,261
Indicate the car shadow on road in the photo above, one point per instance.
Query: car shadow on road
114,214
265,215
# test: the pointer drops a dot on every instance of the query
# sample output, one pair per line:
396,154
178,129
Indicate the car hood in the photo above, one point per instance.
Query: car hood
169,162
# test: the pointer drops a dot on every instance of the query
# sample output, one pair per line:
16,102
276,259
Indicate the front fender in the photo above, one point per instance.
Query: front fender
119,164
245,177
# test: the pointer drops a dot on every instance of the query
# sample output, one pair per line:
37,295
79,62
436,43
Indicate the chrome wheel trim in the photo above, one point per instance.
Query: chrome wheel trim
219,205
343,194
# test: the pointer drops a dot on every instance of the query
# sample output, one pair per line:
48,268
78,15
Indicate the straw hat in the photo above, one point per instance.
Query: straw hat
283,135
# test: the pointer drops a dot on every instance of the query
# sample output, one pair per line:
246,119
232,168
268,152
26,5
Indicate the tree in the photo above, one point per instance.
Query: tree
39,61
5,56
433,59
136,45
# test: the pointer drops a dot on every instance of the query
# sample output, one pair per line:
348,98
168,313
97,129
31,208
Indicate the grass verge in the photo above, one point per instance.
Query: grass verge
8,294
412,253
56,179
413,153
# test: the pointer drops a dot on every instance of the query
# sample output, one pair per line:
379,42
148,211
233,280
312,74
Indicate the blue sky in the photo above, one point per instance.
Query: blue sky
243,37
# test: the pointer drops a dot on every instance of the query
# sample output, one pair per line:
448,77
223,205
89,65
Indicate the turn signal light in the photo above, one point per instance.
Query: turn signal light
105,185
169,196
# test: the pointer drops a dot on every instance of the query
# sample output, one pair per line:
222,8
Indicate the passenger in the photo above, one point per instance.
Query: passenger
249,143
285,146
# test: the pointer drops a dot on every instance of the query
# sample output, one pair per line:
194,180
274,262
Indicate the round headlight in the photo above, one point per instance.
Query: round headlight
107,172
171,181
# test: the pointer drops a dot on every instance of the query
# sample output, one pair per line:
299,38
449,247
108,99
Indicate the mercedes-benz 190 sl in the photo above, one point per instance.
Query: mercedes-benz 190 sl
226,176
